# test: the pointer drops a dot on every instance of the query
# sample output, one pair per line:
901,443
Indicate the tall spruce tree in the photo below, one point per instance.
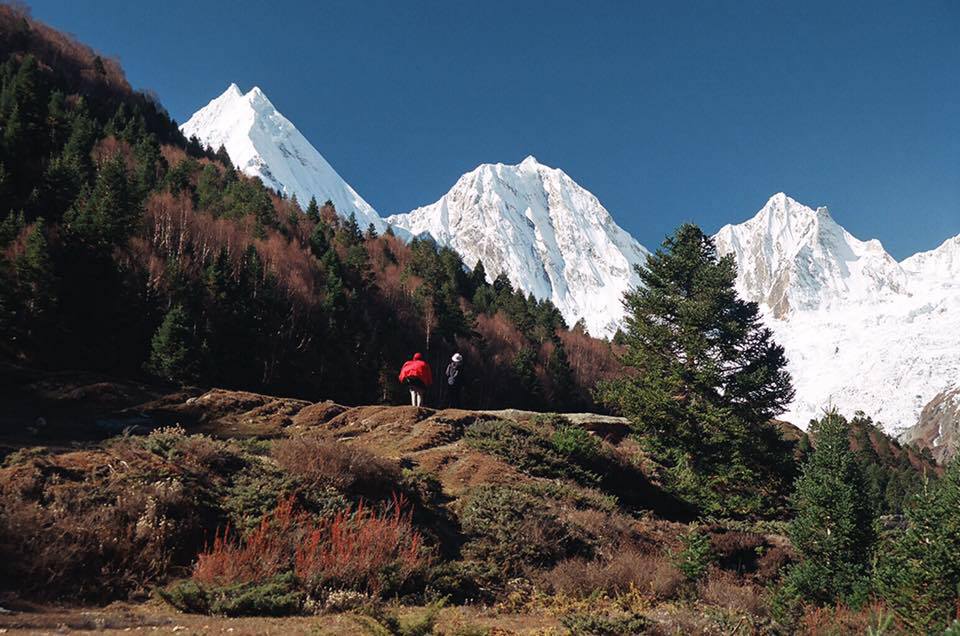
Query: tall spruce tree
833,525
709,378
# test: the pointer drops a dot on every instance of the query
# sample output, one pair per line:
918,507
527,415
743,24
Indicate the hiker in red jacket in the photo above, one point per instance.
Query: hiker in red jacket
416,375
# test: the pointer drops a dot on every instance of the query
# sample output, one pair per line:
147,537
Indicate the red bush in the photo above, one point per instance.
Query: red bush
264,554
354,549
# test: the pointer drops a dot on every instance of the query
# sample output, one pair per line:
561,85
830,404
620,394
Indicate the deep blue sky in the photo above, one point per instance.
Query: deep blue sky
667,111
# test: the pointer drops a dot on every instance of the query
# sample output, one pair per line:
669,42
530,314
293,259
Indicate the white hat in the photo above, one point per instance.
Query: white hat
457,357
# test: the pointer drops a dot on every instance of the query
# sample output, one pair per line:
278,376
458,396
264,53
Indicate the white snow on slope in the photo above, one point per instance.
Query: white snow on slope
552,237
263,143
861,331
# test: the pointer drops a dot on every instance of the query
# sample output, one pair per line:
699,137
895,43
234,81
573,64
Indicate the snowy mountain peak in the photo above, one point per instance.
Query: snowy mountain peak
263,143
790,256
549,235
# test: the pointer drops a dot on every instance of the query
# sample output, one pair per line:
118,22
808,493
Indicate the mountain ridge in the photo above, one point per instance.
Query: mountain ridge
552,237
854,321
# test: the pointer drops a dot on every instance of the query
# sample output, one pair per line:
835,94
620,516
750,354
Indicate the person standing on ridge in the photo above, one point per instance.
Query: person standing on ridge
454,380
415,375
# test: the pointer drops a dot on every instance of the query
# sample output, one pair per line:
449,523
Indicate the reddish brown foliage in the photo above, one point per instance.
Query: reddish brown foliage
724,590
262,556
591,359
824,621
353,549
58,50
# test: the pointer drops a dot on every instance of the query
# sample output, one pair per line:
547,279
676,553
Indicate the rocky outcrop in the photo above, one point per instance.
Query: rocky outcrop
939,426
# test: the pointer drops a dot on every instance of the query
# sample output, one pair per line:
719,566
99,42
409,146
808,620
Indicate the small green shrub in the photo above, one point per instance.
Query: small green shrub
591,624
695,555
187,596
380,622
576,442
527,449
510,528
278,596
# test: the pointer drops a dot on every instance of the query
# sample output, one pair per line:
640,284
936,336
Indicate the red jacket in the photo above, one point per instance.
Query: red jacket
418,369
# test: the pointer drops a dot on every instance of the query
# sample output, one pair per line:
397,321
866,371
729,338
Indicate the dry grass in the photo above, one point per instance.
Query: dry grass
649,574
827,621
724,590
346,467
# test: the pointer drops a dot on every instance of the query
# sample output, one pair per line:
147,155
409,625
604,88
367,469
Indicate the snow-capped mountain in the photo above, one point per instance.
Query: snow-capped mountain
939,267
549,235
790,257
263,143
861,331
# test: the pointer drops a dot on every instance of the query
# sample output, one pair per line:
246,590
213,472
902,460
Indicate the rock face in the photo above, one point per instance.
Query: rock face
549,235
939,426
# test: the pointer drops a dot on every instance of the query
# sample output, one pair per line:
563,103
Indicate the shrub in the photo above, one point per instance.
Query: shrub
349,468
628,569
277,596
724,590
524,447
592,624
840,619
918,574
264,554
510,528
380,622
99,524
363,549
695,555
576,441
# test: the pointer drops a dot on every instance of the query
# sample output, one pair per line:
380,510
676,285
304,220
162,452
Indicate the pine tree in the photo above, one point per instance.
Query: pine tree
833,525
919,571
562,384
371,232
174,351
710,377
36,283
313,210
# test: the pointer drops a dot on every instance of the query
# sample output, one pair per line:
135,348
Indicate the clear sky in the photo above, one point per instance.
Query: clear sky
668,111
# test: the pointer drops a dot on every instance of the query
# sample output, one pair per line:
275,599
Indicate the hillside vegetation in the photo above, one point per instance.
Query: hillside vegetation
127,248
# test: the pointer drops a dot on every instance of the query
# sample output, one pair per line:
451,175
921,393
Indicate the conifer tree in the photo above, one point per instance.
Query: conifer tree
919,570
313,210
173,351
709,377
562,383
833,525
36,278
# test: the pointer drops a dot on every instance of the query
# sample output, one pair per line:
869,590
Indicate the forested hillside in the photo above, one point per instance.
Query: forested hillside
129,249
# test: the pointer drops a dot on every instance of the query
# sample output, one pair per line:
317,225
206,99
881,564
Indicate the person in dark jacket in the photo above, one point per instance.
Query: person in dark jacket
415,374
454,380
